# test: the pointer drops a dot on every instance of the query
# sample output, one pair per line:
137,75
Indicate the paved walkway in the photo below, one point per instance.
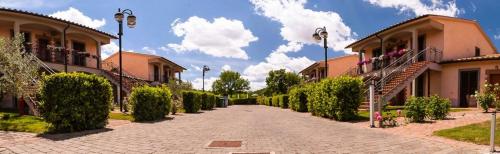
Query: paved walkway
261,128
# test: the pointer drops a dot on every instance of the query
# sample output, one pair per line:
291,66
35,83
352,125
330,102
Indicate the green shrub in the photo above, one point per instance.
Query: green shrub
275,101
75,101
283,101
415,109
337,98
191,101
437,108
207,101
485,100
261,100
298,99
150,103
243,101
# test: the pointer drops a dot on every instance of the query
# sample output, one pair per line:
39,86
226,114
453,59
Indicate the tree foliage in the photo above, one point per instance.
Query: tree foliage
280,81
16,66
230,82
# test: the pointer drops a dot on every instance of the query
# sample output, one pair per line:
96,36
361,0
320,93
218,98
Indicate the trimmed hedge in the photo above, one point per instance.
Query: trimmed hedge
150,103
243,101
283,101
337,98
275,101
75,101
261,100
207,101
298,99
191,101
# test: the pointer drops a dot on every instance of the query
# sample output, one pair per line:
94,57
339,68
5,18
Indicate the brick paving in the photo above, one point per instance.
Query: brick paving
260,128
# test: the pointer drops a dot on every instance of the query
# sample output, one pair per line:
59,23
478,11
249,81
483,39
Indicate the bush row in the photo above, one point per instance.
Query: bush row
150,103
243,101
434,107
337,98
193,101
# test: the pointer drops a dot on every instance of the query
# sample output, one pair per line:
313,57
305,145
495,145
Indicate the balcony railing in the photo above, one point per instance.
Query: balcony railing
55,54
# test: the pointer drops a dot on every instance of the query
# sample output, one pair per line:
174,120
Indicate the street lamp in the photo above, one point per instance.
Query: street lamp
131,24
320,33
205,69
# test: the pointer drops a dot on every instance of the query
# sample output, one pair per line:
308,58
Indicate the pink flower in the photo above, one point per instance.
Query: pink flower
379,118
377,114
399,112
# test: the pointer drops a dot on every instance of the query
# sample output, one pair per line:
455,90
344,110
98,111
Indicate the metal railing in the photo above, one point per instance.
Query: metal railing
400,65
112,68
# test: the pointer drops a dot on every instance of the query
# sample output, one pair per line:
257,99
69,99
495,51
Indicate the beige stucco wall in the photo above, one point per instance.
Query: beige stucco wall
135,64
340,65
450,77
461,38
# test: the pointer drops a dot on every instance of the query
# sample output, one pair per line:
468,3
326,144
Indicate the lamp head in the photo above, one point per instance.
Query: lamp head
119,16
324,34
131,21
316,37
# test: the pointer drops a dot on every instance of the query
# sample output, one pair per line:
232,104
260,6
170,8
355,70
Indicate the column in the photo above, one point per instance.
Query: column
414,37
161,73
98,52
180,80
17,28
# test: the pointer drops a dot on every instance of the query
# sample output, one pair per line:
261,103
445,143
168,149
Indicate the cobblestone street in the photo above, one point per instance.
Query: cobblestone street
260,128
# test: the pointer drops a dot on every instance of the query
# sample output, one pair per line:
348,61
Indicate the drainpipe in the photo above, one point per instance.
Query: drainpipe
64,48
379,104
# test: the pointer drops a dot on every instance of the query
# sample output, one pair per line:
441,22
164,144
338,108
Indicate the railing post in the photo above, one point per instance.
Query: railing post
492,131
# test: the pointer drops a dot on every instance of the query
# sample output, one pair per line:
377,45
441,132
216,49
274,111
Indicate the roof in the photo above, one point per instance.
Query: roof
322,61
147,55
55,19
472,59
402,23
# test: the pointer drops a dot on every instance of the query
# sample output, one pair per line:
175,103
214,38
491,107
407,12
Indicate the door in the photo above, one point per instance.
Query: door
377,64
468,85
420,85
156,73
43,52
421,46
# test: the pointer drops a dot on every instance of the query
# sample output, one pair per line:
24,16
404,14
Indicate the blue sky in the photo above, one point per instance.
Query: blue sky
252,36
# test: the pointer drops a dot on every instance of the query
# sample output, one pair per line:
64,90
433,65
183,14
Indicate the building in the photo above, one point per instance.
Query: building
428,55
146,67
55,41
336,66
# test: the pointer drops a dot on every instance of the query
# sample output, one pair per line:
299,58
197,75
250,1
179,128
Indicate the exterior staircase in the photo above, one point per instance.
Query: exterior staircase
400,73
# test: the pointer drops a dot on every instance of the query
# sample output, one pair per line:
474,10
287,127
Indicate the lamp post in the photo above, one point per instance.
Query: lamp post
131,24
321,33
205,69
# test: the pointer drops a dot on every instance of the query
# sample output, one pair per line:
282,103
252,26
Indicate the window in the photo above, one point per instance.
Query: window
156,73
478,52
79,58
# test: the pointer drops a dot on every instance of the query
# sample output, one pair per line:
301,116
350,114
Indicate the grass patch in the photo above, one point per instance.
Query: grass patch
459,109
120,116
26,123
478,133
366,114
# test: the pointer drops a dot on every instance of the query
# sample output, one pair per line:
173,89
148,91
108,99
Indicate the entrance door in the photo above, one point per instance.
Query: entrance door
421,46
78,56
468,85
420,86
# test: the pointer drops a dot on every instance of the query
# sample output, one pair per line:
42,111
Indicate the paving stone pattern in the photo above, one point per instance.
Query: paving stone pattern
260,128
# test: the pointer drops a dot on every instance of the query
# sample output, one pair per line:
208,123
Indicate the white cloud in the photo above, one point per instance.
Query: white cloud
299,23
418,7
497,37
226,68
198,83
197,68
256,74
220,38
108,49
290,47
77,16
149,50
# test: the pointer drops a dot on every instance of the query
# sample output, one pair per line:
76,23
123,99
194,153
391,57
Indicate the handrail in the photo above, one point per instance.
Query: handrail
125,73
392,71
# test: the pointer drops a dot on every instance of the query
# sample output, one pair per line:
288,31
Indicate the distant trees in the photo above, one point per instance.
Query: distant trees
229,83
280,81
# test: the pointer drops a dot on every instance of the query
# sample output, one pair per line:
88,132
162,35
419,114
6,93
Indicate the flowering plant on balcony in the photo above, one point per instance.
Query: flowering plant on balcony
367,61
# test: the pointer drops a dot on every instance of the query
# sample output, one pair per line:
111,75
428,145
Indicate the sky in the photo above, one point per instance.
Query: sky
252,37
